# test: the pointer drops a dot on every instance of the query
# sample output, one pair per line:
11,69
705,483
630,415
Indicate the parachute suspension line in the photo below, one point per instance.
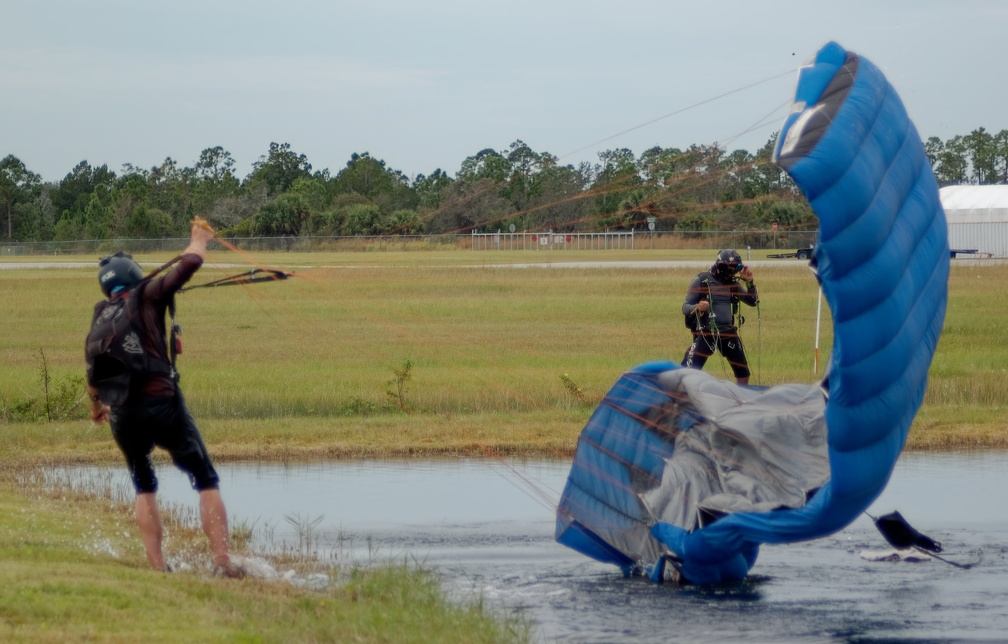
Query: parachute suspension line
714,329
250,277
680,408
712,324
535,490
818,321
696,319
253,276
770,117
257,274
171,262
661,427
617,483
790,72
716,335
759,343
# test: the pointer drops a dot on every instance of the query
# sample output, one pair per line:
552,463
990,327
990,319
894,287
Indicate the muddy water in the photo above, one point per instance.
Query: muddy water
487,527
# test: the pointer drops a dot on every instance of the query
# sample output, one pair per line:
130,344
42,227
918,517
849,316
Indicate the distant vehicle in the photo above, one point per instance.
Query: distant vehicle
976,252
801,253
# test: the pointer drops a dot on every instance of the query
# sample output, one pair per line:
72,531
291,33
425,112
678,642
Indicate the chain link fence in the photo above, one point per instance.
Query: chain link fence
496,241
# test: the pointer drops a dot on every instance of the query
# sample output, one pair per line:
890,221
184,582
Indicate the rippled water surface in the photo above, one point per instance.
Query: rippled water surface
487,527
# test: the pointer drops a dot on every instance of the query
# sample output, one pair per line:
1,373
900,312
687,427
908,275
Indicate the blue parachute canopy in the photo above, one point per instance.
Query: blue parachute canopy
678,467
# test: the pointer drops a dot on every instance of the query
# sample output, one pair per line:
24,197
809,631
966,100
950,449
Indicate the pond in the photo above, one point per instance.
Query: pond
487,527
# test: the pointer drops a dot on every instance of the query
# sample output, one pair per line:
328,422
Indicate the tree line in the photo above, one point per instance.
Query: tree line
702,188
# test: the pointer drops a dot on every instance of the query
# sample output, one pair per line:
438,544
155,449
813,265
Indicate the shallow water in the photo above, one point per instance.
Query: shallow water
487,527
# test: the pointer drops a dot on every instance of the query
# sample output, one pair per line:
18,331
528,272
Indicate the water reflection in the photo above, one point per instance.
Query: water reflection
391,494
488,527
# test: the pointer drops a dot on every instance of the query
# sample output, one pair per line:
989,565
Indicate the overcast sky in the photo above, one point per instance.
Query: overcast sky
423,84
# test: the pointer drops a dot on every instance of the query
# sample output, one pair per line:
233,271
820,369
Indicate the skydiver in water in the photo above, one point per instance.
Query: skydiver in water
146,408
710,307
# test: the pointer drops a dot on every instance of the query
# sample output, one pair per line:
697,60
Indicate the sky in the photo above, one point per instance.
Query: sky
424,84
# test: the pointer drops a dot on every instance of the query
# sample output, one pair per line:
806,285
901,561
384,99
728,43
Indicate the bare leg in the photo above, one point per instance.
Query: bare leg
215,526
149,522
742,381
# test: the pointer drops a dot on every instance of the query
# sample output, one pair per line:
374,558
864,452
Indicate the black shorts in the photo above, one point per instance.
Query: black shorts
727,343
166,423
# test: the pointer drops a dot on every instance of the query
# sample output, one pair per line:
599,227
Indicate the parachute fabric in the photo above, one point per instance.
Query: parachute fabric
882,260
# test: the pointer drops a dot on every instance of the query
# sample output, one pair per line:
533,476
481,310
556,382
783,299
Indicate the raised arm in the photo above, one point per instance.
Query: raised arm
199,236
748,287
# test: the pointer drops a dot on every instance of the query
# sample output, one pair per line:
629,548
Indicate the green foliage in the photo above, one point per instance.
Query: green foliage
485,164
69,227
34,219
147,222
368,177
405,222
285,215
700,189
18,185
787,214
59,399
573,389
694,222
312,191
615,179
362,219
279,168
429,189
463,201
72,193
395,389
357,406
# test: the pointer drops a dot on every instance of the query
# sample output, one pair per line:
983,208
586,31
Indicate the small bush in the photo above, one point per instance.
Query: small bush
59,400
395,389
357,406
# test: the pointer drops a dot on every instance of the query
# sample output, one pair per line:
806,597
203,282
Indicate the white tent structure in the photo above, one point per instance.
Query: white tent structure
977,218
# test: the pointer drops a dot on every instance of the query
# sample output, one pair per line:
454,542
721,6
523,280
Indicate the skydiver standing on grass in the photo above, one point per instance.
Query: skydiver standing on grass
710,307
141,398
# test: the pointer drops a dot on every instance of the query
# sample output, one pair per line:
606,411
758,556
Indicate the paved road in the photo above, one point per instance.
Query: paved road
768,263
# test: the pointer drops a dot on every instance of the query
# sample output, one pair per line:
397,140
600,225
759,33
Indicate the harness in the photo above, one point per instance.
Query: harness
697,321
704,326
115,346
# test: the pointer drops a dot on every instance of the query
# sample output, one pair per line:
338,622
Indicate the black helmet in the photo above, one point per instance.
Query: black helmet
728,263
118,271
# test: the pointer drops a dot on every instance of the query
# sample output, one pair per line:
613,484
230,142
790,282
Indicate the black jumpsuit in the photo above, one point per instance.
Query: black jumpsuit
715,329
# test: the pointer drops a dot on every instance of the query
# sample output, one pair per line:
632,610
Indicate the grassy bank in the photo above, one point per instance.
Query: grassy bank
73,570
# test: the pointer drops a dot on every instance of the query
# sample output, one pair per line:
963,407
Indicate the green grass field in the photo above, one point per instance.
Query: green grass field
354,342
